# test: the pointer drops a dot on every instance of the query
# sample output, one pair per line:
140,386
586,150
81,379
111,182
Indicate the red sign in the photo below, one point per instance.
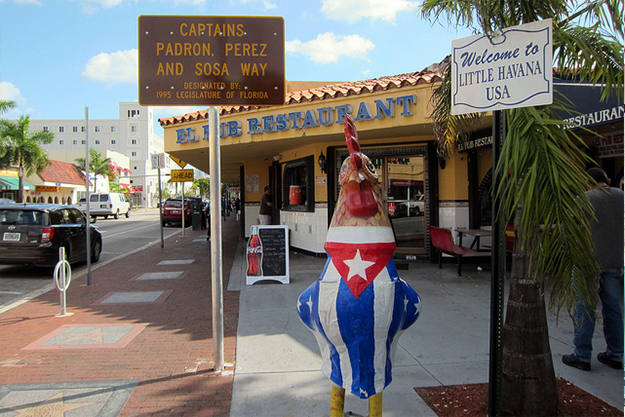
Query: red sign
211,60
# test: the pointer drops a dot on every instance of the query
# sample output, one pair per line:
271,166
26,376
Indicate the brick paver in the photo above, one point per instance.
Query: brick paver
170,359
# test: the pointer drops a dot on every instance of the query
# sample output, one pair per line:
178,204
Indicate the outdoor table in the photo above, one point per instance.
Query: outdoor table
476,233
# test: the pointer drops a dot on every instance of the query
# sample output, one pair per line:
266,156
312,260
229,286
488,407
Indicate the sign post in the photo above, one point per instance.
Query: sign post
214,61
510,69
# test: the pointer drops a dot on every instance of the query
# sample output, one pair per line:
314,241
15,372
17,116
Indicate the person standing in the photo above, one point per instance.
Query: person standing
266,207
607,234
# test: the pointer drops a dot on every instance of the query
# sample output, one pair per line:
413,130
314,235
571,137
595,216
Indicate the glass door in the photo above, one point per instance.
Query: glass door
404,181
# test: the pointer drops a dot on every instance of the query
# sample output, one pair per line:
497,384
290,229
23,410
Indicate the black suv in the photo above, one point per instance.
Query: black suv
33,234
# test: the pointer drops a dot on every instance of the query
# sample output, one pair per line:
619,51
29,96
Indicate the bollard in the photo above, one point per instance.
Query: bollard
62,279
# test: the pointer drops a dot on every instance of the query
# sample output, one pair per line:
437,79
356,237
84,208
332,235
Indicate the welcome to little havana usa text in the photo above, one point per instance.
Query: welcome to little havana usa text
505,72
211,66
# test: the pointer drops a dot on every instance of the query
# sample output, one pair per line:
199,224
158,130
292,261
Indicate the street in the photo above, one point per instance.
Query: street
120,237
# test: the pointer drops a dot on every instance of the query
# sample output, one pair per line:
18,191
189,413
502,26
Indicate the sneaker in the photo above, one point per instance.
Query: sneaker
572,360
603,358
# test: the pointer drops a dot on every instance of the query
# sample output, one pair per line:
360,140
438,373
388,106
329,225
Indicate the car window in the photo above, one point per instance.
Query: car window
173,203
56,218
104,197
93,198
77,216
66,218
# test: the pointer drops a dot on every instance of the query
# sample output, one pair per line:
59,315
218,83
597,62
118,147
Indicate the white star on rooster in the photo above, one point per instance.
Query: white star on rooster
357,266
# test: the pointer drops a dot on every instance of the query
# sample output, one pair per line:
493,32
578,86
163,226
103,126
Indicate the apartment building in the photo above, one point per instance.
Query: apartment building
131,135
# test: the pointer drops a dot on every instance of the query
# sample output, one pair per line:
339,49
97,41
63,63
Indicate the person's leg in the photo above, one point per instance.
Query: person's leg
583,331
610,294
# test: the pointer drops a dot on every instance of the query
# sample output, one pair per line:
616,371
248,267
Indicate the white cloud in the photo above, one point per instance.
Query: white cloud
10,92
328,47
266,3
114,68
353,10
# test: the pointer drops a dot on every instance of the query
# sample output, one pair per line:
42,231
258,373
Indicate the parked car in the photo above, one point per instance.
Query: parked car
106,204
6,201
172,211
33,234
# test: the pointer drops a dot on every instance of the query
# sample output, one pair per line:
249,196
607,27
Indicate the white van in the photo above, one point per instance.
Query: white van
108,204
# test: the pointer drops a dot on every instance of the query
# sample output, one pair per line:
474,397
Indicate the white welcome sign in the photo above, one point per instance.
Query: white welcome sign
511,69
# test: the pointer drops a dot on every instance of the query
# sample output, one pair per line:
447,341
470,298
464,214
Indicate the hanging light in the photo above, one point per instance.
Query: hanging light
322,162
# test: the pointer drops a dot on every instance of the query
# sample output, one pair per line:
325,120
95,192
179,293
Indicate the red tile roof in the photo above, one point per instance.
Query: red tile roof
330,91
62,172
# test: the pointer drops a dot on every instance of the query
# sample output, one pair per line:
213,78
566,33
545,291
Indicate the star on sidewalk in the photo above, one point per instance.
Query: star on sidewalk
358,266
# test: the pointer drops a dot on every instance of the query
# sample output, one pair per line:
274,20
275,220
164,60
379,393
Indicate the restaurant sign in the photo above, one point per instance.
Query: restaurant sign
211,60
510,69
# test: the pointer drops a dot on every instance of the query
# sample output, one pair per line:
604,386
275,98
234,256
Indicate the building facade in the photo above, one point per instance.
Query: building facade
131,135
298,149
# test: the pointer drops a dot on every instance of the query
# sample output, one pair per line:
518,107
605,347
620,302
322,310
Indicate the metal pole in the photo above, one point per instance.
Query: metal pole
498,274
183,209
216,260
88,226
160,206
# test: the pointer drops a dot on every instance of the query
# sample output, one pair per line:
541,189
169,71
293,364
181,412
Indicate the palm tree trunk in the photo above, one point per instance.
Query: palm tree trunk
20,174
529,382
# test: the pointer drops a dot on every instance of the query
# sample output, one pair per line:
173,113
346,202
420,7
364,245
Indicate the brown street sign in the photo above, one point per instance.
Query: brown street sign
211,60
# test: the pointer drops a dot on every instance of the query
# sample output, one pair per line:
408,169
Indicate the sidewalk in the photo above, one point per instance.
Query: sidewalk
278,360
140,341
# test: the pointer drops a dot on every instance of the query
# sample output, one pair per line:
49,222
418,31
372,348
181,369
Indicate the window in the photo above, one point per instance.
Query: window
133,129
84,142
82,129
45,128
113,129
134,154
97,142
75,129
61,129
74,142
298,193
134,141
97,128
133,113
61,141
113,141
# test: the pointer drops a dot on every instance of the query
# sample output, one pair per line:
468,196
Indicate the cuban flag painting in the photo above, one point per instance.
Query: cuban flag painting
359,306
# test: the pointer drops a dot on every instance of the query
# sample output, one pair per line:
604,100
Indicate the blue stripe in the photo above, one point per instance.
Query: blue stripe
356,320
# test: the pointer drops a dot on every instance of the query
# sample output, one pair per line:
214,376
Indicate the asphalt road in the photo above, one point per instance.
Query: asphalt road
120,237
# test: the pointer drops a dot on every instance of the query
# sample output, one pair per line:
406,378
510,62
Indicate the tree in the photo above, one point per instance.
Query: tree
21,148
544,181
203,185
6,105
97,166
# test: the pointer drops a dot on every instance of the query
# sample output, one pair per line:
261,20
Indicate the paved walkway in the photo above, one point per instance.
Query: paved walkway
139,342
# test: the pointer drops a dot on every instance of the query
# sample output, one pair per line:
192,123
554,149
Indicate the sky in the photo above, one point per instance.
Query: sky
59,56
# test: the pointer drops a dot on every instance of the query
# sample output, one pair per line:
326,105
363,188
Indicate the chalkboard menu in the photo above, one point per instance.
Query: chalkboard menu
267,254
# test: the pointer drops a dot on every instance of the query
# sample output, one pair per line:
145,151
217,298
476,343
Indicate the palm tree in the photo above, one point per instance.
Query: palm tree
544,182
6,105
97,166
22,148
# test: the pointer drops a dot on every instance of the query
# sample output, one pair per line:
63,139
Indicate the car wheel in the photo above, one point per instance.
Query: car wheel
164,224
128,214
116,215
96,249
106,216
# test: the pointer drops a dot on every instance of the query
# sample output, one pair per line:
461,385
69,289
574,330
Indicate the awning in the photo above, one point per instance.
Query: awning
13,183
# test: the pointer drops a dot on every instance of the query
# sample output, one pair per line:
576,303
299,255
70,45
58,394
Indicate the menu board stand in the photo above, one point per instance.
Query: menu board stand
267,254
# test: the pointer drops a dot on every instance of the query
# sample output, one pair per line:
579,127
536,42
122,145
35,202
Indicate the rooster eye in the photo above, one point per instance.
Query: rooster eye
371,167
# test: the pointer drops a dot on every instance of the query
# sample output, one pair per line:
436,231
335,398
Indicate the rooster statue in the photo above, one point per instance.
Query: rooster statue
359,307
